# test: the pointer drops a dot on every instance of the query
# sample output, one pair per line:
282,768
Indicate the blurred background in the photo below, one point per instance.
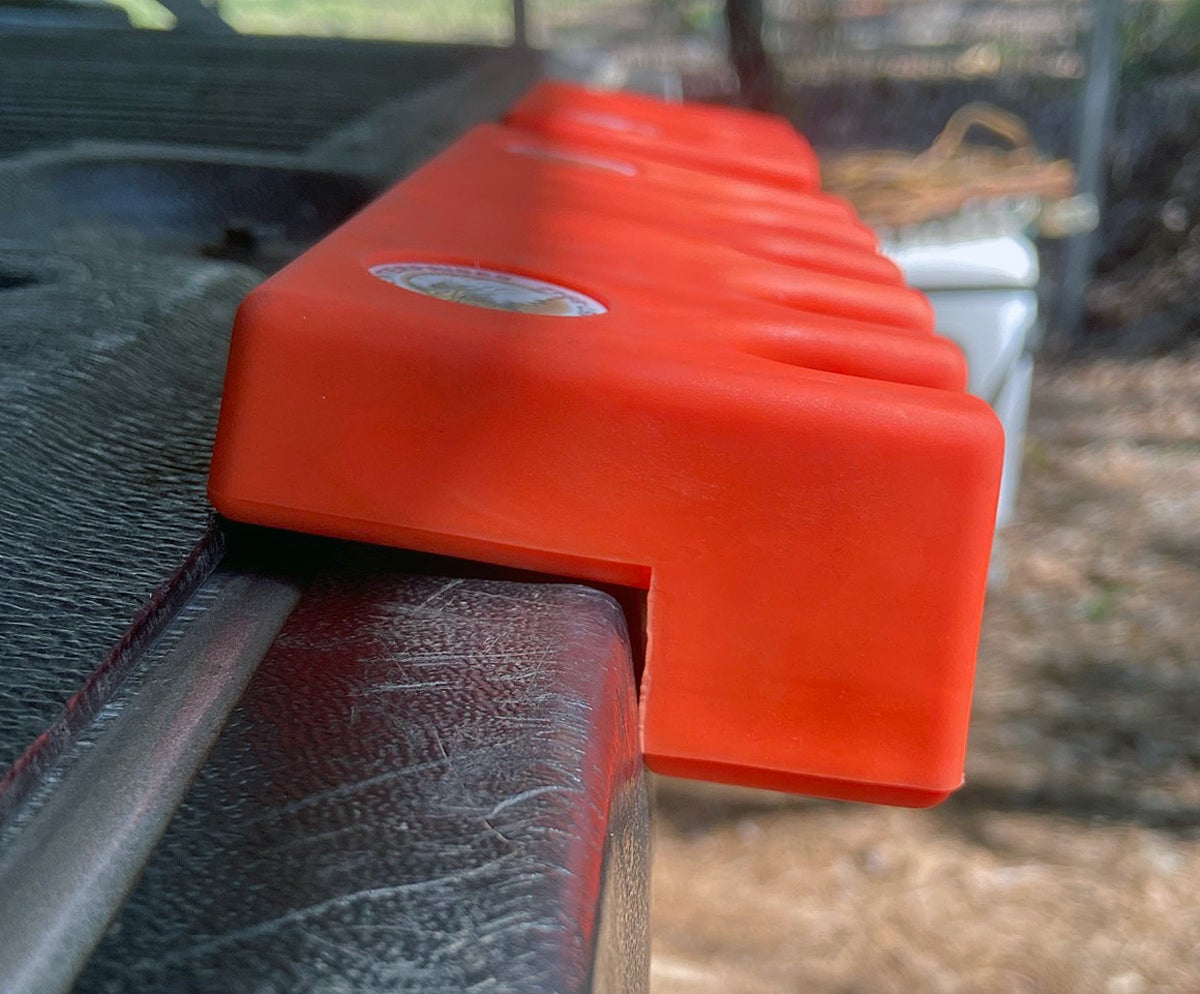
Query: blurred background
1070,861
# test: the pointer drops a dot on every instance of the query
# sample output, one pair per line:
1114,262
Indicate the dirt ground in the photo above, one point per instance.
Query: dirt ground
1070,863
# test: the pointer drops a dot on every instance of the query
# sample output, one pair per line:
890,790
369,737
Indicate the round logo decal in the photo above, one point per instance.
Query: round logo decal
489,288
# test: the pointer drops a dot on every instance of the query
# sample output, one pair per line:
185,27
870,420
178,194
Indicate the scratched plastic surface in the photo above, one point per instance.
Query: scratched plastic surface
430,786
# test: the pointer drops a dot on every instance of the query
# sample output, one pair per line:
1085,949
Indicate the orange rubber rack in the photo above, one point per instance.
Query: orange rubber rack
632,342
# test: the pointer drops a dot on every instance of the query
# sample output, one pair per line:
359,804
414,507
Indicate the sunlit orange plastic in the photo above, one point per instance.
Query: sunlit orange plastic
536,238
823,343
545,389
495,165
694,123
740,198
537,242
756,146
720,296
577,165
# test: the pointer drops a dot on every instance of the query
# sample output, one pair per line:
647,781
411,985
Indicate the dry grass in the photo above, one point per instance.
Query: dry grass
1070,864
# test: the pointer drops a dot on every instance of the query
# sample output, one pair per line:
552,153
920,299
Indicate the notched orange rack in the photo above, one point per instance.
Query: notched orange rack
759,147
547,359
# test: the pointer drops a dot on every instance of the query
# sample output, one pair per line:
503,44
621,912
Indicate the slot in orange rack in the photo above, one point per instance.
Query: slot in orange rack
759,147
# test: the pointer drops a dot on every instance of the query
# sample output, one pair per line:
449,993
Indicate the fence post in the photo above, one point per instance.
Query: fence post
1095,126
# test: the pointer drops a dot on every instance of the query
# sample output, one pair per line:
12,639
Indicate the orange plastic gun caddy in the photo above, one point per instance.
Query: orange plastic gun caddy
537,361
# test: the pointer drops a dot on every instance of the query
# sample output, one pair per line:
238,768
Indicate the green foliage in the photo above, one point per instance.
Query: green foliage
478,21
487,21
1160,37
147,14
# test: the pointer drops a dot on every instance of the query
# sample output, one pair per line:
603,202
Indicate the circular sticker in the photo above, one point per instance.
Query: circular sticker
560,155
489,288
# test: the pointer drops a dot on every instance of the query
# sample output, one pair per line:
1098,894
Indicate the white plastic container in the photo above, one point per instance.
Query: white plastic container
984,295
